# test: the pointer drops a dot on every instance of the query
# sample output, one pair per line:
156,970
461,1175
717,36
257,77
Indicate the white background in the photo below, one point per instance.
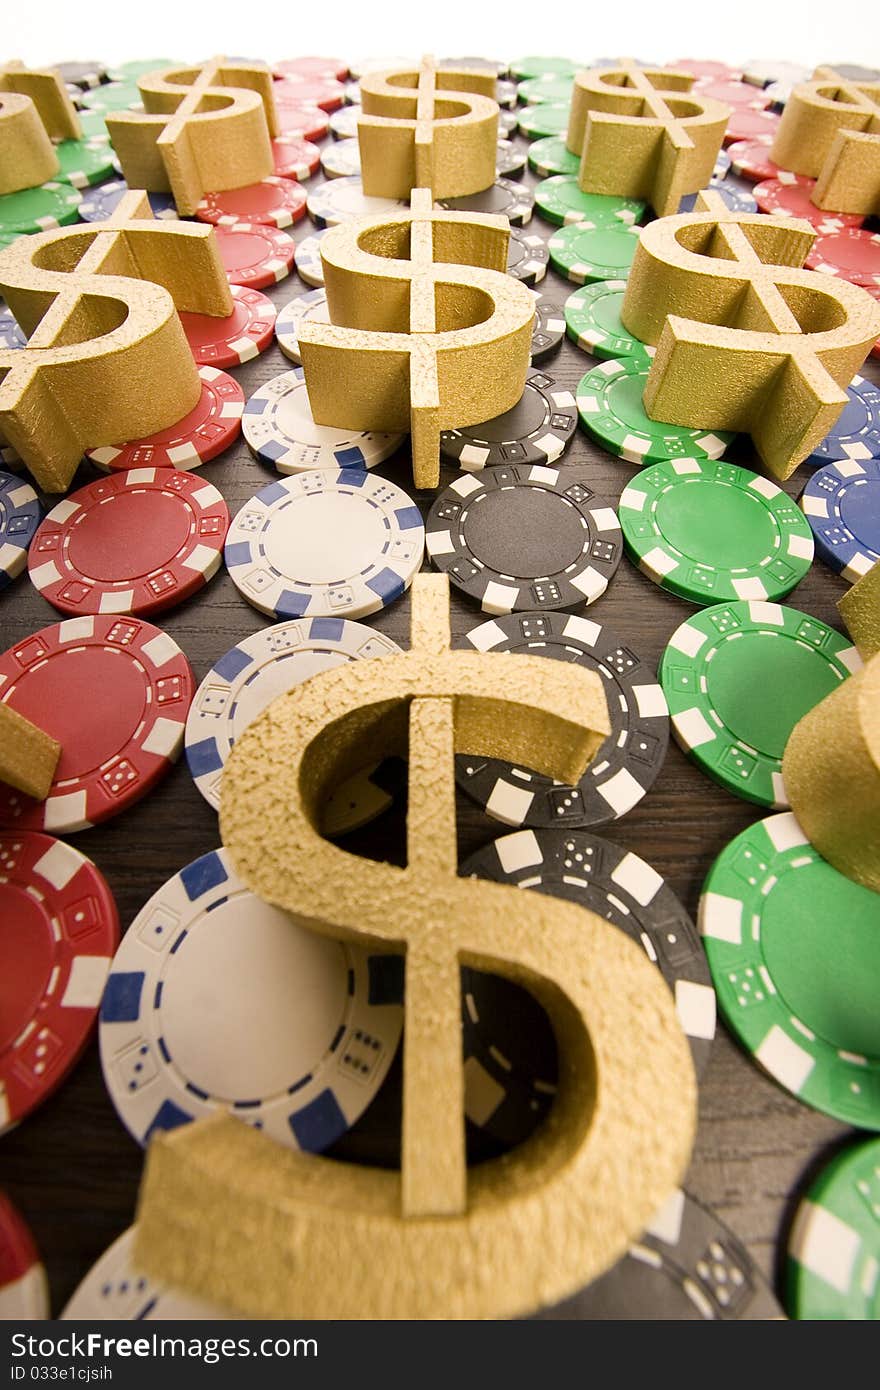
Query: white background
811,31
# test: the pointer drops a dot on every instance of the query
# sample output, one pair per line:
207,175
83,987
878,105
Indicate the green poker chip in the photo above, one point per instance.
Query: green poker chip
113,96
560,200
94,127
794,951
609,399
708,531
834,1245
547,118
84,163
38,209
551,156
543,89
525,69
130,72
592,320
582,253
737,678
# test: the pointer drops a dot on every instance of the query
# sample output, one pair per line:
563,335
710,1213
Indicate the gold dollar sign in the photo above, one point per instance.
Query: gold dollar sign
35,109
107,359
642,133
427,129
745,339
428,332
274,1233
830,129
205,129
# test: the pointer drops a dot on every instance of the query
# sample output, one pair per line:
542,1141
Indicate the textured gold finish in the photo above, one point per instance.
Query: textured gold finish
28,755
860,609
830,130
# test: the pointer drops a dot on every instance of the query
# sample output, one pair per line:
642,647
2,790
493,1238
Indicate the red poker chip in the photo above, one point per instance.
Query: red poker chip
242,335
24,1292
302,121
274,202
210,427
706,68
747,124
114,692
325,92
295,158
852,254
751,158
739,95
874,292
136,542
60,929
788,195
312,67
254,256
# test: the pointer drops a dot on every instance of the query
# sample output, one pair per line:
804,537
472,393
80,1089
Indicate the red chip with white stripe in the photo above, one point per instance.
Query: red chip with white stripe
744,123
274,202
115,693
312,67
300,90
254,256
24,1294
295,158
853,254
210,427
789,195
242,335
59,930
137,542
303,120
751,159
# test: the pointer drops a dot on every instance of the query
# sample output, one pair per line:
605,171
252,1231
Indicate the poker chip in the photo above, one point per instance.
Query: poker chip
834,1243
254,256
280,429
230,341
762,72
342,159
842,505
83,75
493,65
60,929
559,200
114,96
361,66
751,160
100,203
854,72
344,123
311,308
745,123
527,256
550,156
609,400
852,254
39,209
298,89
739,95
115,1290
592,320
246,679
302,122
538,429
548,331
721,167
11,335
273,202
621,888
94,127
24,1292
507,124
524,538
625,766
687,1266
504,198
325,544
312,67
546,118
342,199
309,265
20,515
83,163
737,199
510,160
506,94
779,93
798,998
295,158
136,542
545,89
737,678
523,69
788,195
210,427
583,253
710,531
706,69
217,1001
856,433
139,67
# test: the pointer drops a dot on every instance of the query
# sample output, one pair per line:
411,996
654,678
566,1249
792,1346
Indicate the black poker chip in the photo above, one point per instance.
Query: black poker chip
619,886
507,123
84,76
538,429
627,763
510,159
687,1266
549,329
504,197
527,256
525,537
506,94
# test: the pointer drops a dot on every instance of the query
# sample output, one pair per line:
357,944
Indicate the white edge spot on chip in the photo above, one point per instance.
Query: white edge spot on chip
486,636
785,1059
721,918
85,985
688,640
519,851
693,728
825,1245
695,1006
666,1224
59,865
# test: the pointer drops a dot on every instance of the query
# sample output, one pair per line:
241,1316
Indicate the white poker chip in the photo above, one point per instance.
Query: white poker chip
325,544
342,159
343,123
220,1002
115,1290
309,265
342,199
311,308
279,427
249,677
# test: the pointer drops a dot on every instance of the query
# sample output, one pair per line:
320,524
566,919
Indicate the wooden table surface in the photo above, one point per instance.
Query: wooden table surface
73,1169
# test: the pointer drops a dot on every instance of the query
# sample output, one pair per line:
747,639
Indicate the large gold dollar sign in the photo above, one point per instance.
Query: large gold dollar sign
428,332
745,339
279,1234
830,129
100,336
34,110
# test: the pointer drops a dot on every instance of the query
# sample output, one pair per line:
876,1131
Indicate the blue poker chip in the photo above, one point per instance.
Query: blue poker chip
20,514
339,200
856,434
309,265
737,199
101,202
722,166
11,335
217,1001
842,504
